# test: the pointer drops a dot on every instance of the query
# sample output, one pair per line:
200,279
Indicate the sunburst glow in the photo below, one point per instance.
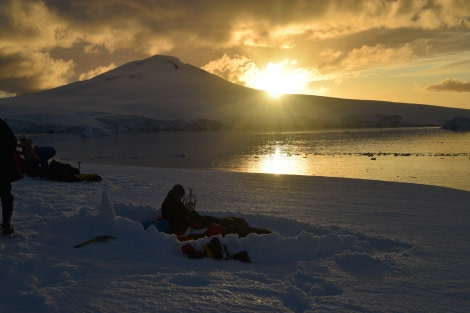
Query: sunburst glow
280,78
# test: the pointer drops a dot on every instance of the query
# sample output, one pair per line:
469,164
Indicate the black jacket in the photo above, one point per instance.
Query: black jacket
175,212
9,170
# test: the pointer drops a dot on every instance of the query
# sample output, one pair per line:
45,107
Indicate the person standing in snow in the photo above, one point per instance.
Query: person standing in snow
9,172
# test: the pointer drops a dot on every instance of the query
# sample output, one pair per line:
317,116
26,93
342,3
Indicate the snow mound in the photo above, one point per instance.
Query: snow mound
105,209
292,242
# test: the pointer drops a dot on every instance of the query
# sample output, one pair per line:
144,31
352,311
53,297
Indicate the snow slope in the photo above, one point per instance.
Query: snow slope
339,245
162,92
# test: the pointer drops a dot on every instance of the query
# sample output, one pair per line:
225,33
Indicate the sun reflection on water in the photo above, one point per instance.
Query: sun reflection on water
279,163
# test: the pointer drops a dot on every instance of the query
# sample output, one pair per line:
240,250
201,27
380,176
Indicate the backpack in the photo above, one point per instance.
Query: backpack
62,172
214,249
45,153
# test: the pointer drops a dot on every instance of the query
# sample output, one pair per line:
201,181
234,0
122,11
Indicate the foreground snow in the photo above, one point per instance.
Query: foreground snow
338,245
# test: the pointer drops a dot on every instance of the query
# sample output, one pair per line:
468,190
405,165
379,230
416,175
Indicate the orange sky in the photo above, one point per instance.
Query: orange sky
414,51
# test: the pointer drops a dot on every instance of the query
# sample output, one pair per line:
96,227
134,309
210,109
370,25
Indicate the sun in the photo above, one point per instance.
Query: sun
279,78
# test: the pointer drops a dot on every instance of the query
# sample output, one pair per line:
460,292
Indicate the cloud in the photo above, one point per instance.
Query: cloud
286,75
81,37
27,72
450,85
233,69
97,71
6,94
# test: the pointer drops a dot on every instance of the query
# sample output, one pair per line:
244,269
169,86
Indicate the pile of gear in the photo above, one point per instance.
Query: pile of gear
215,250
179,217
34,161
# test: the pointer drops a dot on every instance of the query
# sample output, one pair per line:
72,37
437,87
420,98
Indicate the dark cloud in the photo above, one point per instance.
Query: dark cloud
450,85
81,36
28,72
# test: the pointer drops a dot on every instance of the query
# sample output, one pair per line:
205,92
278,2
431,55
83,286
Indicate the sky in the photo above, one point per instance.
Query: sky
415,51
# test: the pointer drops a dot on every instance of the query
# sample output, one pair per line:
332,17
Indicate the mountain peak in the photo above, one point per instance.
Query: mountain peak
138,69
156,62
160,59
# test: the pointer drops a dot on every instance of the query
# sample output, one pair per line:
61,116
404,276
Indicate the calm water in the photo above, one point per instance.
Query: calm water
418,155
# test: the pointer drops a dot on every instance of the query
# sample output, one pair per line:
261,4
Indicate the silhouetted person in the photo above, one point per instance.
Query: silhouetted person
9,172
175,211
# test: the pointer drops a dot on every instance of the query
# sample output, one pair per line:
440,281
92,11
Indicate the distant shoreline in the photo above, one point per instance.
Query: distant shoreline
150,126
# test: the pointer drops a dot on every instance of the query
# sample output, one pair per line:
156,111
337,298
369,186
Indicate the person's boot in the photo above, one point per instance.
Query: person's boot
8,229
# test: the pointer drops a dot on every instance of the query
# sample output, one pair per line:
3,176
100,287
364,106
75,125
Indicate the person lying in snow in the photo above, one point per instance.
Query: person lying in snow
180,218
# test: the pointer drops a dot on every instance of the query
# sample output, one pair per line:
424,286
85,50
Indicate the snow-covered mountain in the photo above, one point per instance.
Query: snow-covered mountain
161,93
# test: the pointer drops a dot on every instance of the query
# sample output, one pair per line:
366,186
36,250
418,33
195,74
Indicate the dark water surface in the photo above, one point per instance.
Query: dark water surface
430,156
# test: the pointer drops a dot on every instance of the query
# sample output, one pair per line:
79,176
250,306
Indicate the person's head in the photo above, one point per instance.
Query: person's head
23,138
178,191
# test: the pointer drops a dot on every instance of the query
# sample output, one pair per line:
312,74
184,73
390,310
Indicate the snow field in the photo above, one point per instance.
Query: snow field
332,249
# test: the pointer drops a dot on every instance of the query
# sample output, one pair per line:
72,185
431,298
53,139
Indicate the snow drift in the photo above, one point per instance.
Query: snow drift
338,245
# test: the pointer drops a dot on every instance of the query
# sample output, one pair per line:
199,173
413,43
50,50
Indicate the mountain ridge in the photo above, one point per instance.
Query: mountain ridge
163,93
